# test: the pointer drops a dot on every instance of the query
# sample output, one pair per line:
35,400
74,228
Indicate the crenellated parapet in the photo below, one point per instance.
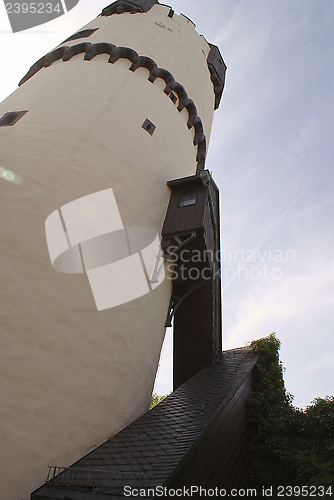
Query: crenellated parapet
132,6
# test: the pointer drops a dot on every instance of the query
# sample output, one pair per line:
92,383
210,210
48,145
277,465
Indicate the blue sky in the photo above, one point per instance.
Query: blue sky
271,154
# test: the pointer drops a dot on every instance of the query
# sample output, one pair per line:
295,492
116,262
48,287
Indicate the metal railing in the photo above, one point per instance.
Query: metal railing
97,479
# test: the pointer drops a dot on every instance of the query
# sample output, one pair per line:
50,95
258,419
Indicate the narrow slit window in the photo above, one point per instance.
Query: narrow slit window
172,97
81,34
188,198
9,119
149,126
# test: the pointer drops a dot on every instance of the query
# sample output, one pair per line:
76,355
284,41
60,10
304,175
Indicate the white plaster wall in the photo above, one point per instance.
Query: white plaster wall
71,376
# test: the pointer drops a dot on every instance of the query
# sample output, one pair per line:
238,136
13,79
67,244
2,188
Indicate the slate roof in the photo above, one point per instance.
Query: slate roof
150,448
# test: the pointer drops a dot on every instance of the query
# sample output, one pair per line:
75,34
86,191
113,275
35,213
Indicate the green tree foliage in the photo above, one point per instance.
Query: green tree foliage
288,445
156,399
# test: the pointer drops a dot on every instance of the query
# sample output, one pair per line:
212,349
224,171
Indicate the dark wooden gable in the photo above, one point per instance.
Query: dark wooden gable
180,219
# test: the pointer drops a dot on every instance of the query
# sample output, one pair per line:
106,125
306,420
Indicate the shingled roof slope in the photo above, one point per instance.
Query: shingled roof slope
155,443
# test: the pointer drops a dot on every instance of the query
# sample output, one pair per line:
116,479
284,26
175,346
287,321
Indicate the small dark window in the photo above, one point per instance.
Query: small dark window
171,13
172,97
81,34
188,198
9,119
149,126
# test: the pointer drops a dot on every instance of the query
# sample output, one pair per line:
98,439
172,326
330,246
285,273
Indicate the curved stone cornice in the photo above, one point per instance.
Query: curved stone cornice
115,53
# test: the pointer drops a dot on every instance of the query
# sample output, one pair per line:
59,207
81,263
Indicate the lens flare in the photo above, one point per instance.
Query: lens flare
8,175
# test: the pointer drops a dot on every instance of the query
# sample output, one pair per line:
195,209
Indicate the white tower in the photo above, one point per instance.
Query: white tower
94,132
